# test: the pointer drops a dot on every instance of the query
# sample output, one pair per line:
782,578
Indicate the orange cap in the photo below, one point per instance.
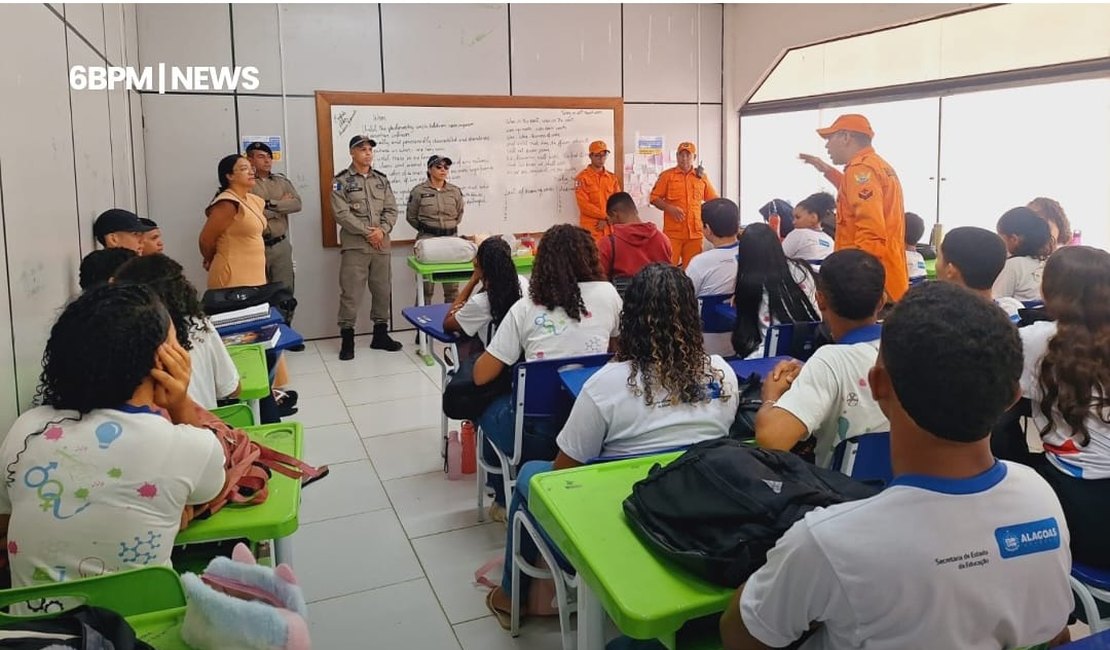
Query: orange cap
849,122
598,146
688,146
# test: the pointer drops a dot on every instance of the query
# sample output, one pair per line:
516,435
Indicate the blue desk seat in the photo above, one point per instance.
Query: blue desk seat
717,316
865,458
429,320
1092,587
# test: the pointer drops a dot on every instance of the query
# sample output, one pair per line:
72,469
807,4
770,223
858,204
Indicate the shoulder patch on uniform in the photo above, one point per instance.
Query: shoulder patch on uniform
862,177
577,183
336,186
866,194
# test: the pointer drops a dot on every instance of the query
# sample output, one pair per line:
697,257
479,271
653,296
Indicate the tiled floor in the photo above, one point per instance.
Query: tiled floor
387,546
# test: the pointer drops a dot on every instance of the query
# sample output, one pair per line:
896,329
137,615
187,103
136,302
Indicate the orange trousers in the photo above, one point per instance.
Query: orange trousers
684,250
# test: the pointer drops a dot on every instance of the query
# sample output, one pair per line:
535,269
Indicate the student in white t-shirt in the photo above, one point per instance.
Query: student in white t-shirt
96,478
808,241
472,311
915,261
973,257
1067,378
1029,242
770,290
660,392
828,398
214,375
961,550
713,273
570,311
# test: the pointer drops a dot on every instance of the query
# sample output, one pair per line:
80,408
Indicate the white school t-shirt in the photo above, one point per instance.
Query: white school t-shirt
1020,278
806,244
714,271
101,494
475,315
915,265
214,373
798,271
978,563
1011,307
1062,450
831,395
608,419
531,329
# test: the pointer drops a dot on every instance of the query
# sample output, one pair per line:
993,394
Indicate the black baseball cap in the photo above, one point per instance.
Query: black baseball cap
361,139
260,146
435,160
118,220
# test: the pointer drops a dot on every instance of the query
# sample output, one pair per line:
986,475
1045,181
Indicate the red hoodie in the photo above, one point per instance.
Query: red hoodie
637,245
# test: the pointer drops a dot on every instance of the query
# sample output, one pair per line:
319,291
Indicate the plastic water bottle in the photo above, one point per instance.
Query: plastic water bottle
469,448
454,456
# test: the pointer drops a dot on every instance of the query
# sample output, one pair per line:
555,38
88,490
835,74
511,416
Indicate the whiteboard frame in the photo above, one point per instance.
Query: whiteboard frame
325,99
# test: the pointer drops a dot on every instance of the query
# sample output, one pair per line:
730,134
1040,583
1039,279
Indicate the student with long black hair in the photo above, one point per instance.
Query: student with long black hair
770,290
214,375
660,392
96,476
501,286
1029,243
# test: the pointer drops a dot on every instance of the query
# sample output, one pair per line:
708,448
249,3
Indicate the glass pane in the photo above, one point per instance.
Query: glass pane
769,164
1002,148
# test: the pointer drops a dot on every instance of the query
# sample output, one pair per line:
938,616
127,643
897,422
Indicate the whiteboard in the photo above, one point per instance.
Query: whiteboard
515,166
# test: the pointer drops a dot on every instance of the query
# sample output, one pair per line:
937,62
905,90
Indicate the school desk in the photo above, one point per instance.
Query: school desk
273,318
575,378
455,272
274,519
428,320
646,596
254,374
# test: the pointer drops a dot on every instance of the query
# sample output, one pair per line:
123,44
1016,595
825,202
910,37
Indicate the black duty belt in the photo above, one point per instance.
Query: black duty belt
439,232
274,241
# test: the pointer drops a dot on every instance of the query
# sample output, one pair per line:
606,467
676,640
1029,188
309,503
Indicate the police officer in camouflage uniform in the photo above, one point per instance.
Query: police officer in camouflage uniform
282,200
365,209
435,209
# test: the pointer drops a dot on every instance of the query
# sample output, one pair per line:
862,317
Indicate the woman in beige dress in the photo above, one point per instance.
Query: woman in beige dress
231,241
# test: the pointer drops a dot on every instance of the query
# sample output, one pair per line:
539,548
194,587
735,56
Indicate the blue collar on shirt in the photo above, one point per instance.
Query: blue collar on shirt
862,334
978,483
733,245
131,408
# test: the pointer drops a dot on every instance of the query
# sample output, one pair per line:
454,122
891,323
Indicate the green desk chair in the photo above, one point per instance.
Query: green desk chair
239,416
254,375
151,599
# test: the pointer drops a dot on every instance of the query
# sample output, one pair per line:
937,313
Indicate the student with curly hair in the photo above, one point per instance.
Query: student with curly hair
1058,224
660,392
96,476
770,290
1029,243
502,286
99,266
214,374
570,311
1067,377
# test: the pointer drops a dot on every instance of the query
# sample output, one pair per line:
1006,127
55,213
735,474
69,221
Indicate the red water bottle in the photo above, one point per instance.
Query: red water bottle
469,448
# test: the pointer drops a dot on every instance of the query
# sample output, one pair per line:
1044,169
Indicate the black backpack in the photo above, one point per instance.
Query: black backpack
722,505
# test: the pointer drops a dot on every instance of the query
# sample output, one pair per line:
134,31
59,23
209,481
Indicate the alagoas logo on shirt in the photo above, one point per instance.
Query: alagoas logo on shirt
1024,539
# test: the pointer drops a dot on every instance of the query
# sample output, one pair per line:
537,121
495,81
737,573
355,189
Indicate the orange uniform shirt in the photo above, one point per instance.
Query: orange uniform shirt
871,216
688,192
592,189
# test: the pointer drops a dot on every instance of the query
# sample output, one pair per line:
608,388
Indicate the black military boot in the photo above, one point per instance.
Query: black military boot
381,340
347,349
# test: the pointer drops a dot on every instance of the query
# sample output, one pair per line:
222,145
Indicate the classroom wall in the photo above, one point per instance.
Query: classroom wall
757,35
647,54
65,156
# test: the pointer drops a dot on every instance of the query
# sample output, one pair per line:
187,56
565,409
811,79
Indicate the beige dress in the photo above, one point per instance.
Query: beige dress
240,259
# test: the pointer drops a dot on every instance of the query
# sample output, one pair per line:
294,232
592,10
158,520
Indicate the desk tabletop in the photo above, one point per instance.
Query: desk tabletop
574,379
1099,641
429,320
645,595
254,374
272,519
522,263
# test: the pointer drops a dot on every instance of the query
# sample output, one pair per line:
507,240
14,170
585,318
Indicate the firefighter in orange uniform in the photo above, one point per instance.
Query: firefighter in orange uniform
679,193
592,188
869,211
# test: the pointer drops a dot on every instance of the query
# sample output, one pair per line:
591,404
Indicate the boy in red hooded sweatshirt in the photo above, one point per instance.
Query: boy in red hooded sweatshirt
633,244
